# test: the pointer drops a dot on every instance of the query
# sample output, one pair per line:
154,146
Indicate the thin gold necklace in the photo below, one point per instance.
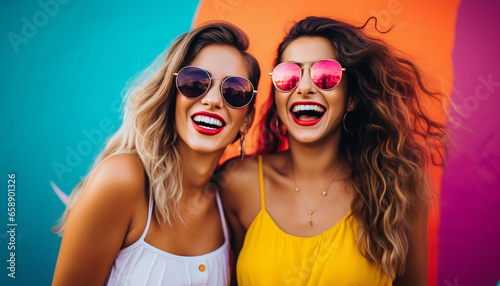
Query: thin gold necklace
325,192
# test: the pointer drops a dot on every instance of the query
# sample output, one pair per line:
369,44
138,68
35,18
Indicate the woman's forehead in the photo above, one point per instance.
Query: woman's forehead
221,61
309,49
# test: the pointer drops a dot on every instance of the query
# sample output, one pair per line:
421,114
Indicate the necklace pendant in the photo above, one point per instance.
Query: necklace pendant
311,219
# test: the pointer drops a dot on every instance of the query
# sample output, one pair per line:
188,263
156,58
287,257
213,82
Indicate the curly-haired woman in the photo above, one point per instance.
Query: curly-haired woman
347,202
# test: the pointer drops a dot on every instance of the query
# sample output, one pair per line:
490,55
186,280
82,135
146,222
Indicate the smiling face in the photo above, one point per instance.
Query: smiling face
309,113
208,123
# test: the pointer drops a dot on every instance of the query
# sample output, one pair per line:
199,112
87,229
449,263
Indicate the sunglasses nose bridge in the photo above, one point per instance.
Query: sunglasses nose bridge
302,72
216,86
305,82
213,96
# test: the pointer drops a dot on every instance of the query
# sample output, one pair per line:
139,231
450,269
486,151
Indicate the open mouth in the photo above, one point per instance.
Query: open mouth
307,113
208,123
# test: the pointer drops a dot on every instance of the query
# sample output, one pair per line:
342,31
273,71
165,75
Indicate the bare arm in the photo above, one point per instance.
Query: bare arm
99,222
416,262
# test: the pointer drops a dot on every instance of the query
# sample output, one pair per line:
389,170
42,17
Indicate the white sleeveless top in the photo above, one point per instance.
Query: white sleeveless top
143,264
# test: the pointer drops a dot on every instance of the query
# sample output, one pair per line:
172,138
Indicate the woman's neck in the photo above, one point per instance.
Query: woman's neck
197,169
315,161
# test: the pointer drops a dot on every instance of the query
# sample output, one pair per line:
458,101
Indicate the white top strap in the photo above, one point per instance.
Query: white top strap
223,217
150,214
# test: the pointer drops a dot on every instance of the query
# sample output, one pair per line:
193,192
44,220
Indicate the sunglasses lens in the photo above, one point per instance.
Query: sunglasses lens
192,82
286,76
326,74
237,91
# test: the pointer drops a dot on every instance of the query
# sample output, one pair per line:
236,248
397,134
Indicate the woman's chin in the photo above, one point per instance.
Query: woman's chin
311,136
204,145
307,137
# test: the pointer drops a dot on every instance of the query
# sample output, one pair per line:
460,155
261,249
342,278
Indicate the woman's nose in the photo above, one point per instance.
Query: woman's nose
306,85
213,96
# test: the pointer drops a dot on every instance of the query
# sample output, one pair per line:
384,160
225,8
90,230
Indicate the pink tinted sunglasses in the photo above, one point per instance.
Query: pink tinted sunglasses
326,75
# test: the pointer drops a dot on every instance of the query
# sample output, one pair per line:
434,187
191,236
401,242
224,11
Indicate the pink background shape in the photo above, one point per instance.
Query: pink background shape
469,250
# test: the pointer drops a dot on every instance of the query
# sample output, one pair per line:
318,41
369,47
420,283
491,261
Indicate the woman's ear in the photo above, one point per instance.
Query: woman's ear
247,121
352,103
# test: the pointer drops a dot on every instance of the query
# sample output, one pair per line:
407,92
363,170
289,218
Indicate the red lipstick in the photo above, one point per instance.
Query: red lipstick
314,107
208,123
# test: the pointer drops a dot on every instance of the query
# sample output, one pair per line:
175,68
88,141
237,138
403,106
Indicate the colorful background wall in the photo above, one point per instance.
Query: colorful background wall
64,65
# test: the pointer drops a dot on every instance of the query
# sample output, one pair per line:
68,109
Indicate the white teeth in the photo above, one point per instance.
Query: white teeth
300,107
207,120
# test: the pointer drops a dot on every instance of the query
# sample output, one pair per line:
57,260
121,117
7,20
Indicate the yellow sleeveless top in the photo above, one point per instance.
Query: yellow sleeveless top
272,257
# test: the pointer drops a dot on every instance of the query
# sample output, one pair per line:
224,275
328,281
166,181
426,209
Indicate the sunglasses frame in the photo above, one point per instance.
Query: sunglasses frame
310,76
210,85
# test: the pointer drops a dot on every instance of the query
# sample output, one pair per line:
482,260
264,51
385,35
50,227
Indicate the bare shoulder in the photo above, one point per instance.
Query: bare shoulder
276,162
238,182
117,187
119,177
236,176
98,223
126,169
114,195
242,170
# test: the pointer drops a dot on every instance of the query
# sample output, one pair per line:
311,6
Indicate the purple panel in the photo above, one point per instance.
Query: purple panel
469,249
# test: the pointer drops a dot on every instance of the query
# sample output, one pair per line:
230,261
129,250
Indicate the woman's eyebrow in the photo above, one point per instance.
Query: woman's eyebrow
301,64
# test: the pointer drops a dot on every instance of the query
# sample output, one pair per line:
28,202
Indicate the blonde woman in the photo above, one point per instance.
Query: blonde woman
347,203
145,214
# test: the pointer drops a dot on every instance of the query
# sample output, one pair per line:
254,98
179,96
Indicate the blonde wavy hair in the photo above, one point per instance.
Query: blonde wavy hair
393,142
148,128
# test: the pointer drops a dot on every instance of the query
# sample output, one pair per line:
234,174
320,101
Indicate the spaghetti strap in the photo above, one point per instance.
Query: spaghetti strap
261,184
150,214
222,216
